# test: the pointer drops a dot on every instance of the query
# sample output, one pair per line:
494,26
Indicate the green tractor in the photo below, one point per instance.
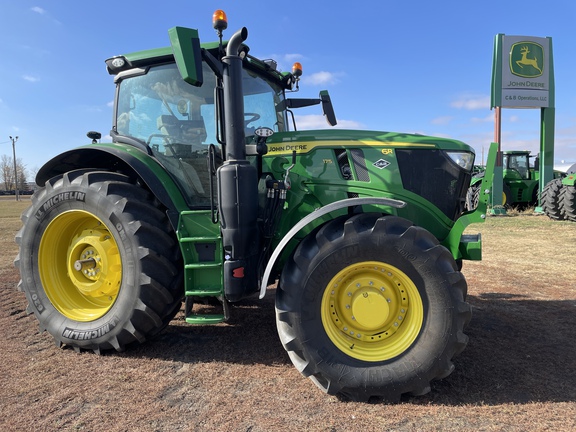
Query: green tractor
209,192
559,197
520,181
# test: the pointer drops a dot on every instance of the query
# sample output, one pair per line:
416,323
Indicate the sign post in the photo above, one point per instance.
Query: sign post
523,77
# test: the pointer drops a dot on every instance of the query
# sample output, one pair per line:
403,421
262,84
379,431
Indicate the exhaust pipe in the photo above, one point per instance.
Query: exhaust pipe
237,184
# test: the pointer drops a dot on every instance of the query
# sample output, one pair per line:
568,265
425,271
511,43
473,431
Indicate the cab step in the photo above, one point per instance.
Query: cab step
206,318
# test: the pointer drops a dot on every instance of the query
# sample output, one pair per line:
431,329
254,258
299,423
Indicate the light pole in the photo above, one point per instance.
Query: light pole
15,167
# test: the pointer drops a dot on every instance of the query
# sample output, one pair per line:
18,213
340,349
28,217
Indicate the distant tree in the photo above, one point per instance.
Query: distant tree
22,178
7,173
32,172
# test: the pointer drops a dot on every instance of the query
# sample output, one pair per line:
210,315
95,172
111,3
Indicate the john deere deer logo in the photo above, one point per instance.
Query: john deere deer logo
526,59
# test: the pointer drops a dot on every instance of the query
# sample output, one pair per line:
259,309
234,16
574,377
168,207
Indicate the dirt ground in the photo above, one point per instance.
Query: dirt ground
517,374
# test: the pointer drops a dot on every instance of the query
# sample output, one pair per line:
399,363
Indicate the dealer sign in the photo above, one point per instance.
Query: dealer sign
522,72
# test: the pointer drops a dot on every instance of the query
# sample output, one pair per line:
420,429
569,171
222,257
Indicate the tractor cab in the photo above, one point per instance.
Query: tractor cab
517,165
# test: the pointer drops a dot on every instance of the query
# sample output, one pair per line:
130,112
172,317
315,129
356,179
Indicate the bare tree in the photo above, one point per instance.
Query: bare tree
7,173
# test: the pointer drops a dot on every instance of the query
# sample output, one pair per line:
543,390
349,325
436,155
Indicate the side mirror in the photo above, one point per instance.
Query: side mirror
187,53
94,136
327,107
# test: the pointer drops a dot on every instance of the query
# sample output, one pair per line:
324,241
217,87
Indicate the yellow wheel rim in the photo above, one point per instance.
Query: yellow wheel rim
80,265
372,311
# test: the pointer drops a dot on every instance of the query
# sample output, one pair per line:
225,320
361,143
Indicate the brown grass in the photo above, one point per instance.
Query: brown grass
517,374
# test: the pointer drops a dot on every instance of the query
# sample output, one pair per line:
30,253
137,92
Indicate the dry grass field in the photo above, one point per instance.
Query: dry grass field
517,374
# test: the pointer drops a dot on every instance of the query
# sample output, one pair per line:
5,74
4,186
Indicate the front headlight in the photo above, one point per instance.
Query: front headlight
462,159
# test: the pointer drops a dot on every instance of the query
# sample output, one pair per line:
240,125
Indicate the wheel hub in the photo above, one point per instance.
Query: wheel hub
372,311
91,256
369,308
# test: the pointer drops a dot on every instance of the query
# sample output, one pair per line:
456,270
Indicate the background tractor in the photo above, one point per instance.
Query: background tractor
521,180
208,192
559,197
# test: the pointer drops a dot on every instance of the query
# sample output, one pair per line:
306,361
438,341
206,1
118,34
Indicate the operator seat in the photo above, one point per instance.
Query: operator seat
183,136
183,141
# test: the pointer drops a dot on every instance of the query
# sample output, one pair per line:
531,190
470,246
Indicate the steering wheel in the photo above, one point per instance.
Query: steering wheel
252,117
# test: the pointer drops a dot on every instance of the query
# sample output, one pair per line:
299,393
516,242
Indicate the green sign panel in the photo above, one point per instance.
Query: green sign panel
522,75
526,59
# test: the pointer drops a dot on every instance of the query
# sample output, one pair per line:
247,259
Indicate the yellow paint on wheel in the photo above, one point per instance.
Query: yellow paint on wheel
80,265
372,311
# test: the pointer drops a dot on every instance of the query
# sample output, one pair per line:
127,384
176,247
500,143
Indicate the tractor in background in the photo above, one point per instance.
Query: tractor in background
559,196
521,180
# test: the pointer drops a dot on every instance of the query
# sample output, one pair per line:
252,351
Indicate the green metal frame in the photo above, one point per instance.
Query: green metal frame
470,246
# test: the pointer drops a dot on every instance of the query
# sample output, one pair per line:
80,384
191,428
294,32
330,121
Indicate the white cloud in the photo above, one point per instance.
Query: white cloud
318,121
320,78
285,61
41,11
110,104
30,78
292,57
442,120
471,102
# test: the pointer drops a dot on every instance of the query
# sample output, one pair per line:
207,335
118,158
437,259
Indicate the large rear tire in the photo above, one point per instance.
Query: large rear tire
551,195
568,203
472,197
98,261
372,306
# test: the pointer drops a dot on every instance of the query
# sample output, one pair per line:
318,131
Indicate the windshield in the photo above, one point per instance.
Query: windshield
177,120
518,163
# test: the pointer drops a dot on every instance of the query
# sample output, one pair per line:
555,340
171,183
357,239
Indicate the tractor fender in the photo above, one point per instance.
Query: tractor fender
477,178
118,158
569,180
350,202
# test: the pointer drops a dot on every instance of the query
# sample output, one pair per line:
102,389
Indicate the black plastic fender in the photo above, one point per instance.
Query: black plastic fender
117,158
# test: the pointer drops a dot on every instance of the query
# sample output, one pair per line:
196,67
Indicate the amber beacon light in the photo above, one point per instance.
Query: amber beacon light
219,20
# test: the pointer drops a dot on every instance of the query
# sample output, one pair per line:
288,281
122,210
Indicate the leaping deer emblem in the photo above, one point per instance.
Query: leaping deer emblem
525,61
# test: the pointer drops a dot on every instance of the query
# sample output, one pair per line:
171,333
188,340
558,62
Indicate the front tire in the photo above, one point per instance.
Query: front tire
98,261
372,306
507,196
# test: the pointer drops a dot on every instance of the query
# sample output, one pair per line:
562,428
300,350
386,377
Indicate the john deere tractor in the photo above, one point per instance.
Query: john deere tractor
559,196
209,192
520,179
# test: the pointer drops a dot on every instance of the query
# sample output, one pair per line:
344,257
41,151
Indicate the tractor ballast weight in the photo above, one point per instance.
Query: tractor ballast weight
208,191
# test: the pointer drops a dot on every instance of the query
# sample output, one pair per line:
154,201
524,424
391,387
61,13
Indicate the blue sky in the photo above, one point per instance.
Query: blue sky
403,66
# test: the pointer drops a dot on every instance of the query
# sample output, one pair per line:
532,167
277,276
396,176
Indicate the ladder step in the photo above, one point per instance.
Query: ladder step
203,265
204,292
205,319
199,239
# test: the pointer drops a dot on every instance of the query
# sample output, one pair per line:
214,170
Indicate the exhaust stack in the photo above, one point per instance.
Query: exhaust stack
237,184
